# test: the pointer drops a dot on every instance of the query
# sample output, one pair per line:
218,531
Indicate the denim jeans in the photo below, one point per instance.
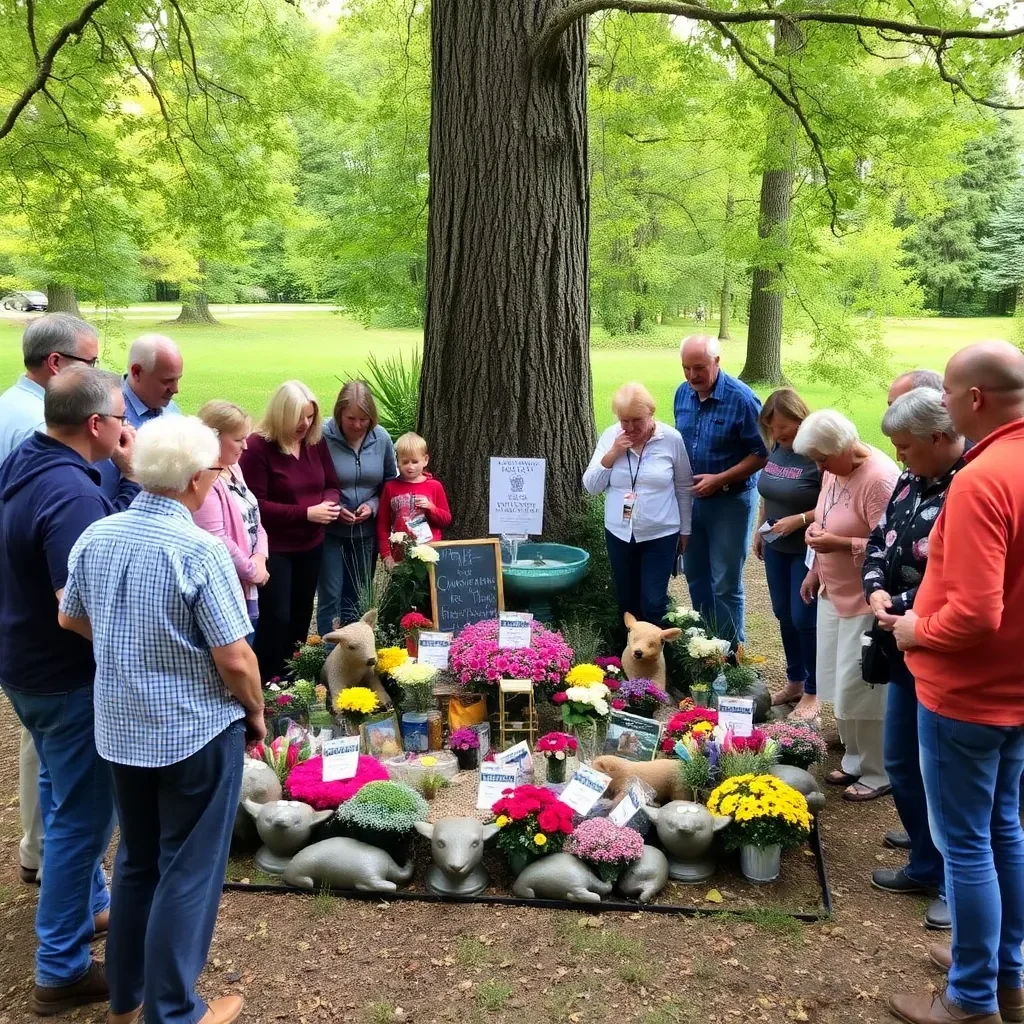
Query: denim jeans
77,806
798,622
176,826
715,556
903,765
347,566
640,573
972,781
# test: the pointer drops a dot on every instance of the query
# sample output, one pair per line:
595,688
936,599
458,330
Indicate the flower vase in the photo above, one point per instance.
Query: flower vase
555,768
588,741
468,759
517,863
760,864
412,643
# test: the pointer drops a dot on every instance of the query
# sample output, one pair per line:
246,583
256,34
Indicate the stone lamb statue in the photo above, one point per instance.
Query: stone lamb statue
353,662
560,876
259,784
347,864
644,656
285,826
643,880
457,846
687,830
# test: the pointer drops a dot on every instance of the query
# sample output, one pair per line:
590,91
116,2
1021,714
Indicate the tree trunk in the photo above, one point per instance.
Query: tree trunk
506,367
764,330
195,309
725,302
61,298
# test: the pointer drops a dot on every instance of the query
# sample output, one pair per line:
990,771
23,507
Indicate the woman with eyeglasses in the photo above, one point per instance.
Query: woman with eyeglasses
856,484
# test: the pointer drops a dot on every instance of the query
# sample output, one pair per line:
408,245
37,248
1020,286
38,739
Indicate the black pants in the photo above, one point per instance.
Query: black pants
286,608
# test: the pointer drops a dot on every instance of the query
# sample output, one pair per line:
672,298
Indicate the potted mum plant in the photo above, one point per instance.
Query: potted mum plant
383,814
767,815
585,710
606,847
356,704
798,745
532,822
682,722
411,623
478,663
308,661
465,745
639,697
556,748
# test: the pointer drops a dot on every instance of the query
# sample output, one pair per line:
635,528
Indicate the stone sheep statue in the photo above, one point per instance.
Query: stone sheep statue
353,662
643,880
457,846
560,876
687,830
644,656
347,864
285,826
259,784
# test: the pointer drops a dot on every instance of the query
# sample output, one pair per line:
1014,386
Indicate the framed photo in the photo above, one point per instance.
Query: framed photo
632,737
382,737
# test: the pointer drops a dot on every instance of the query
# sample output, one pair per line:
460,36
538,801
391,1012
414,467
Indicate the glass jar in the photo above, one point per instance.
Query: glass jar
435,729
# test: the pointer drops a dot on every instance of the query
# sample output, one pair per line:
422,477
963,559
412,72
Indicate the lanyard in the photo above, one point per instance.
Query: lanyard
629,464
832,499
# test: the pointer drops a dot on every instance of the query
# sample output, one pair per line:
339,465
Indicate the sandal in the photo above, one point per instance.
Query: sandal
840,778
858,794
787,696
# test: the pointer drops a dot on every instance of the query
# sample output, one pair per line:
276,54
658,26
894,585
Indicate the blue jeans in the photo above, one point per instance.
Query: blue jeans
719,542
798,622
902,760
972,781
176,826
348,565
640,573
77,806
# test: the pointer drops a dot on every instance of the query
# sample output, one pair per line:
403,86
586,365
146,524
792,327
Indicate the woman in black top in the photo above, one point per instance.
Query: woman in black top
789,486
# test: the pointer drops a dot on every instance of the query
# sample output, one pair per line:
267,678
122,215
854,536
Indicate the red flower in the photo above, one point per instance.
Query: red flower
548,820
612,683
414,620
618,703
559,698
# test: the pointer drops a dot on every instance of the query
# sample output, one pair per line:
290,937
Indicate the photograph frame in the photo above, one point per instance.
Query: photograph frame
645,731
382,726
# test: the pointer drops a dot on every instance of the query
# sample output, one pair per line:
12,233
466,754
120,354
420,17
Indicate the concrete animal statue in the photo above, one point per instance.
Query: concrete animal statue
644,879
259,784
803,782
347,864
687,831
662,775
644,656
457,847
560,876
353,662
285,826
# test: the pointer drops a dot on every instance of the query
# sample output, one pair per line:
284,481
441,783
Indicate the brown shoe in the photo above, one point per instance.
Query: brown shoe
132,1017
222,1011
938,1009
90,988
1011,1000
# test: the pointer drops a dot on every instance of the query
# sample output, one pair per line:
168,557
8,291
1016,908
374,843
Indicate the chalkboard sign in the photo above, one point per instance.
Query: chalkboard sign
465,583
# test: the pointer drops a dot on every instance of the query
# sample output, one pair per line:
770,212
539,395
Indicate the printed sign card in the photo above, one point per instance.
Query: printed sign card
494,780
518,756
633,801
631,736
433,649
516,496
736,713
514,630
340,758
584,789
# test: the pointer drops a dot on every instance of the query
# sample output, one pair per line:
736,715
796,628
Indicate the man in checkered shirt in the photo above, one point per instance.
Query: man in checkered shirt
177,692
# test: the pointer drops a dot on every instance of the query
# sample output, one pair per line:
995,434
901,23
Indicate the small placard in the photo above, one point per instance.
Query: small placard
584,789
340,758
516,489
433,649
519,756
494,780
420,529
736,713
514,630
633,800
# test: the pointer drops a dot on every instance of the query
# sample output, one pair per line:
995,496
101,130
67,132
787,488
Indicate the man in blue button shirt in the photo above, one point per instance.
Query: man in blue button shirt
154,370
717,416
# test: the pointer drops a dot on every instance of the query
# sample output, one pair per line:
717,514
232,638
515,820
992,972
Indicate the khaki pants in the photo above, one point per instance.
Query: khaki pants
31,847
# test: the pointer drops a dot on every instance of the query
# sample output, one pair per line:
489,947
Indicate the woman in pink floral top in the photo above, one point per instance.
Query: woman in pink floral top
856,485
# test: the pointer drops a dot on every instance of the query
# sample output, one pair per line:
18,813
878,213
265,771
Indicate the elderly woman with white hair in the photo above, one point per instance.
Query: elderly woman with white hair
177,693
642,469
857,481
928,445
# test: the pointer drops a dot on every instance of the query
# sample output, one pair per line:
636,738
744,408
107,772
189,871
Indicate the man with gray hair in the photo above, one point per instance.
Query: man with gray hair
154,370
50,344
177,692
717,416
49,493
913,379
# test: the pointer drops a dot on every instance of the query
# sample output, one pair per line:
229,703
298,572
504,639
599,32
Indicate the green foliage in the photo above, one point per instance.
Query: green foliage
1003,249
745,762
308,662
385,806
584,638
396,388
739,678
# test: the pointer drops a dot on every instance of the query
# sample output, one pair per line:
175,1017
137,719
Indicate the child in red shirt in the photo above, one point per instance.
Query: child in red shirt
414,504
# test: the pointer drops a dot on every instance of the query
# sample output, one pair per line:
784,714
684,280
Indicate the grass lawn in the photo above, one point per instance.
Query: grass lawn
244,359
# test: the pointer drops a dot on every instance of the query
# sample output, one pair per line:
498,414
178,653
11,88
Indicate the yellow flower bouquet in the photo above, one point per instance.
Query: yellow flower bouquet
764,810
356,703
584,675
389,658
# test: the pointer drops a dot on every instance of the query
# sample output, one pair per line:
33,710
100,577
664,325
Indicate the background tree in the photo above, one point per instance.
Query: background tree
1003,249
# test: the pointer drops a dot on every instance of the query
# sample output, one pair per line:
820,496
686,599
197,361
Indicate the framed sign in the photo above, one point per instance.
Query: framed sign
465,583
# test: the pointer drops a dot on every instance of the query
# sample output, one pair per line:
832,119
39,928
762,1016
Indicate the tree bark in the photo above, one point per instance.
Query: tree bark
764,330
61,298
725,301
195,309
506,366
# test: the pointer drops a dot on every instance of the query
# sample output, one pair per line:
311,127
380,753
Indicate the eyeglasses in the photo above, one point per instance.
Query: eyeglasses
78,359
114,416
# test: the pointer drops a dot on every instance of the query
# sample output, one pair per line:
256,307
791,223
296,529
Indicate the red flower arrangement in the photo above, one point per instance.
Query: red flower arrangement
531,822
414,620
753,744
682,722
556,742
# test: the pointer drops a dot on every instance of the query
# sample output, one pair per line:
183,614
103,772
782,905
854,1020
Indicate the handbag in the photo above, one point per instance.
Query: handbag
874,656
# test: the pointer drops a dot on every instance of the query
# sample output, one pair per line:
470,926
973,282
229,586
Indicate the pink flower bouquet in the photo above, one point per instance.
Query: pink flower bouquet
478,663
608,848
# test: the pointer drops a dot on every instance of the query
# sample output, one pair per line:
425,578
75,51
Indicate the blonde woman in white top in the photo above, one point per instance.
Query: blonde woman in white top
641,467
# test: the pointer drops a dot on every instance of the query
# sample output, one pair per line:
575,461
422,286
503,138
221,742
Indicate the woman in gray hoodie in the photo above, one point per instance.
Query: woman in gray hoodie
364,460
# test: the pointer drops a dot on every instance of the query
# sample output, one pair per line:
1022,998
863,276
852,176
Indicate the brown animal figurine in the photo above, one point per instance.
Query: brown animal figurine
644,656
663,776
353,662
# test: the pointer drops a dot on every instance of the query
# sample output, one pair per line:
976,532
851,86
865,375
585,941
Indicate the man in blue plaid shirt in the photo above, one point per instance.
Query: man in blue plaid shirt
717,416
177,689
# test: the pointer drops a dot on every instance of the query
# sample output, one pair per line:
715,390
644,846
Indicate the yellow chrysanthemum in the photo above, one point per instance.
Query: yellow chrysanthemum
584,675
359,700
540,839
502,820
391,657
702,727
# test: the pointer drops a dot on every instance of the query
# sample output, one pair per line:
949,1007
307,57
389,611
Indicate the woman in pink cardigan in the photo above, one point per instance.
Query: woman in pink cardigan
231,511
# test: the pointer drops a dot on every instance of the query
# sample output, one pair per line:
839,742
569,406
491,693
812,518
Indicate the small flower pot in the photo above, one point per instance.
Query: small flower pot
760,864
517,863
555,768
468,759
412,643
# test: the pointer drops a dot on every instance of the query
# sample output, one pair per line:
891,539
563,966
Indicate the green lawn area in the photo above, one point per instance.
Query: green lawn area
244,359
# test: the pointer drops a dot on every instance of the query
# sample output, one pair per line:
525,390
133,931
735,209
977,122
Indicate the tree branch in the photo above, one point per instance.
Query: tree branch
45,66
558,22
957,82
30,26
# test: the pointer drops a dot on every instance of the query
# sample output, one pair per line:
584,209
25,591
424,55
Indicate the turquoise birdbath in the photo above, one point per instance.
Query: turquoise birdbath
540,571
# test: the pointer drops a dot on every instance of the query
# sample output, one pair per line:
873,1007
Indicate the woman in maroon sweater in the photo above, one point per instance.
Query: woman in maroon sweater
287,466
